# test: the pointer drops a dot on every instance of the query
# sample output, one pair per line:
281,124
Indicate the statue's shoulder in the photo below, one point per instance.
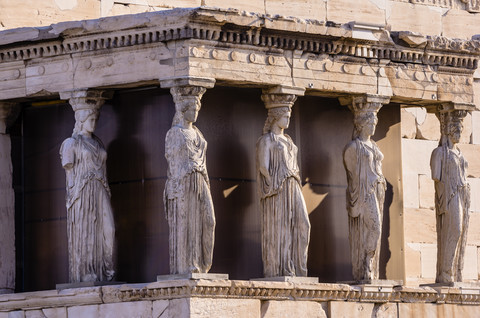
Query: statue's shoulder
289,138
352,146
264,140
68,143
174,133
437,153
198,132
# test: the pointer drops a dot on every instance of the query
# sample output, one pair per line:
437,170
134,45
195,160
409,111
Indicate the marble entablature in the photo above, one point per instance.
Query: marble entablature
237,49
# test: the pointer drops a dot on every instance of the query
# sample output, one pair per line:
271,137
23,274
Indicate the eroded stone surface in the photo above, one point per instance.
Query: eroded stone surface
188,202
7,206
236,308
285,222
348,309
409,126
452,198
90,223
366,188
274,309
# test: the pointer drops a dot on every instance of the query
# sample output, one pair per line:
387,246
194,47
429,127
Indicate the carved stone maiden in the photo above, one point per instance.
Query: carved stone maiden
285,223
90,223
188,202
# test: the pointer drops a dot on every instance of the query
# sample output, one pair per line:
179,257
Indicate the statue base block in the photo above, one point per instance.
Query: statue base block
86,284
289,279
458,287
376,285
193,276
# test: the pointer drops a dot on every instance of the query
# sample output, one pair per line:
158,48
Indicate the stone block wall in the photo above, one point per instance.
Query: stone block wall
420,135
453,18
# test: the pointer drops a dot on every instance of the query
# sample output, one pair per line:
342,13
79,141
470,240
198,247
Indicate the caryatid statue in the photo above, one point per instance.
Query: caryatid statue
188,202
452,197
285,223
366,187
90,223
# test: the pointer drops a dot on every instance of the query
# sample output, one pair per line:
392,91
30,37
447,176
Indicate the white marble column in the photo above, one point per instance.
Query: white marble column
188,203
366,186
452,193
7,205
90,221
285,222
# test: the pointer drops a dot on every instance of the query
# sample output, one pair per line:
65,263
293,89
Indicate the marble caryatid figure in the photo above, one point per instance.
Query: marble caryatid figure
285,223
90,223
188,202
365,191
452,198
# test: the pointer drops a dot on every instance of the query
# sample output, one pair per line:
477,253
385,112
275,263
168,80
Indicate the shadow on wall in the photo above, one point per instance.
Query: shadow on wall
232,128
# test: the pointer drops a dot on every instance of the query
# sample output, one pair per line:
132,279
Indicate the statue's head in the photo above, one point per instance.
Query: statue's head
454,129
187,103
279,116
365,122
85,121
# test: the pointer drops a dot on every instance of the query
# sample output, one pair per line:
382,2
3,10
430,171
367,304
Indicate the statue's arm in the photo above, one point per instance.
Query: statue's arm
263,159
350,161
67,156
436,164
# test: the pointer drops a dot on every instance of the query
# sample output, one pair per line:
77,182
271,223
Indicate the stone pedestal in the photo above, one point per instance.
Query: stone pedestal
377,285
7,205
193,276
472,288
289,279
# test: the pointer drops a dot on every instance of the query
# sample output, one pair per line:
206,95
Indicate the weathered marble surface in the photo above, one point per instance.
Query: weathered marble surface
225,298
7,204
452,198
188,202
366,189
90,223
285,223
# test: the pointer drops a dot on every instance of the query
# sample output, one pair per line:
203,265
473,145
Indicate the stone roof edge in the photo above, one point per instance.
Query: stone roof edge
182,17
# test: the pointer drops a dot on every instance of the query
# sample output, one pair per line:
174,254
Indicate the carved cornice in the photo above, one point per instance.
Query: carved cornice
236,28
470,5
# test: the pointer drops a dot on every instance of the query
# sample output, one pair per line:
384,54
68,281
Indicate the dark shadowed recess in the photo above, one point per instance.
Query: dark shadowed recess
132,126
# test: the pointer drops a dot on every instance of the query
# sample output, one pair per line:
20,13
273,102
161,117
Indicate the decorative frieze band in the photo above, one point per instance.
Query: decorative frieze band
440,51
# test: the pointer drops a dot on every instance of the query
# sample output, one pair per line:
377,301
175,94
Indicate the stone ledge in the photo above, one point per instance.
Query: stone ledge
234,289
